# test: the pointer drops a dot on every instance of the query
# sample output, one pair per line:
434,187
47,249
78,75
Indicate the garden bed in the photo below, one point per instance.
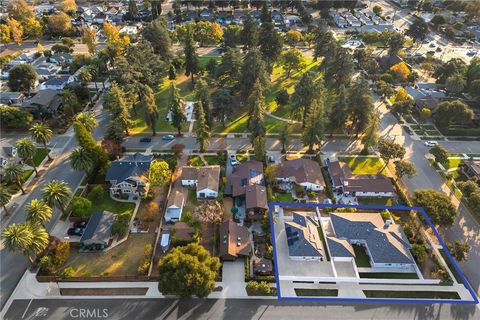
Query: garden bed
388,275
316,292
411,294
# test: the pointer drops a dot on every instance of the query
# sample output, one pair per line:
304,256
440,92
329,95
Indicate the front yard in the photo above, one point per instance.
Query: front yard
365,165
108,204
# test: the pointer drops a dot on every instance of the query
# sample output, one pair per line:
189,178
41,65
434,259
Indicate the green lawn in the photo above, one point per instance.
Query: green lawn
411,294
39,156
108,204
316,292
364,165
361,257
387,275
283,197
452,163
212,160
195,161
376,201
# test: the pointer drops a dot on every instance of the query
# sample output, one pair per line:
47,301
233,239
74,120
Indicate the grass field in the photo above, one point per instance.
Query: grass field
212,160
39,156
108,204
195,161
283,197
364,165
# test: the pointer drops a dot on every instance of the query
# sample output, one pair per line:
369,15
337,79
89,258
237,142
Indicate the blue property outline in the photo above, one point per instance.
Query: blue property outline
398,300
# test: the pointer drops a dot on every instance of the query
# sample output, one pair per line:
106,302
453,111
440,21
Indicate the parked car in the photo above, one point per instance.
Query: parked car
146,140
168,137
432,45
430,53
232,157
234,162
439,49
430,143
75,231
271,159
80,224
471,52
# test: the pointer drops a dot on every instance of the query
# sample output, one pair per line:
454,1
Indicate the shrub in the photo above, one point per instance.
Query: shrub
282,98
97,194
46,265
120,226
81,207
151,210
13,117
62,252
255,288
67,273
145,263
419,252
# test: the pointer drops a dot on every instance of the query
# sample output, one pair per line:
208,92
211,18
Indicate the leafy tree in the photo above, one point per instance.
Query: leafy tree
38,212
89,37
314,125
292,60
14,117
22,77
384,89
468,187
115,102
5,196
249,34
282,98
208,33
370,138
447,69
455,84
253,69
88,120
395,42
293,37
402,95
377,10
449,111
271,43
156,8
418,30
324,43
202,94
361,111
401,71
28,238
228,70
159,173
176,106
20,10
459,250
157,34
172,73
69,6
231,36
16,30
80,160
192,66
13,172
339,67
259,148
81,207
256,120
70,102
27,149
41,134
148,105
437,205
437,20
87,142
188,271
419,252
223,102
338,115
59,24
390,150
307,89
405,168
132,9
440,154
283,137
5,34
56,194
203,130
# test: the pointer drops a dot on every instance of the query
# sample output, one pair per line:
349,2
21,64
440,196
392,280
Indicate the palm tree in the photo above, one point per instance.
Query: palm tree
40,238
85,76
5,196
56,194
18,237
27,149
81,160
38,212
88,120
41,133
13,173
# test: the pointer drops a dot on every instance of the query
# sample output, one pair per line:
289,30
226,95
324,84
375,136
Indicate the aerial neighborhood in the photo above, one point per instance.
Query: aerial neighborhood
262,150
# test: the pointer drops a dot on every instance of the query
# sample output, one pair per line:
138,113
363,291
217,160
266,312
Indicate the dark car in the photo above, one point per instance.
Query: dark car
80,224
439,49
146,140
75,231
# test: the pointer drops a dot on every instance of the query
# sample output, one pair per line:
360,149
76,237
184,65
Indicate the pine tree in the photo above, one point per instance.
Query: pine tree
283,137
132,9
271,43
203,130
370,138
306,90
360,111
338,115
228,71
115,102
223,104
148,105
202,94
253,69
314,125
259,148
256,121
339,68
172,74
192,66
249,33
176,106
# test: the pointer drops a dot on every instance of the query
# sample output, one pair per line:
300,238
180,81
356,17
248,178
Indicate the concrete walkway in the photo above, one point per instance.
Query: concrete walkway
289,121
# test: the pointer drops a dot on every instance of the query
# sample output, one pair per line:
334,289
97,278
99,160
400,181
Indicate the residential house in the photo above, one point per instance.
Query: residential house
204,179
44,104
100,18
57,83
472,170
389,60
358,185
234,241
61,58
304,172
379,27
128,175
11,98
98,231
303,239
426,95
338,19
247,183
175,203
47,70
385,242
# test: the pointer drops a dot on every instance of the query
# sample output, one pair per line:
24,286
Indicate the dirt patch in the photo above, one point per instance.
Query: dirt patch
103,291
227,207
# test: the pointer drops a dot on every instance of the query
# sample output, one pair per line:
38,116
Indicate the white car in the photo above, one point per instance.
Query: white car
430,143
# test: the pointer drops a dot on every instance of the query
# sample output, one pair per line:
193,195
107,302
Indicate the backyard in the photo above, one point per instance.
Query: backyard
365,165
108,204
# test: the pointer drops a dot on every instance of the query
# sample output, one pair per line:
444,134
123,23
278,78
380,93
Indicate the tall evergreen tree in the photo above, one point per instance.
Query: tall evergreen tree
256,121
176,106
339,69
156,8
259,148
306,90
271,43
249,33
338,115
370,138
360,111
324,41
203,130
253,69
157,34
202,94
283,137
223,104
314,125
228,71
87,142
192,66
132,9
115,102
149,107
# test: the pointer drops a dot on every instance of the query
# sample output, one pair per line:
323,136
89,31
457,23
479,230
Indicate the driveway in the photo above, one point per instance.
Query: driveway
233,279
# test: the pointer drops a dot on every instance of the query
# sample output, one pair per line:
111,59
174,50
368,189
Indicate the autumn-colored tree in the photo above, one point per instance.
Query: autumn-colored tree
112,33
69,6
16,30
5,34
402,95
401,70
59,23
89,37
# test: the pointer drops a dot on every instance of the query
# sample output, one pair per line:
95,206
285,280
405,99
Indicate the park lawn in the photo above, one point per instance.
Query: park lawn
364,165
108,204
203,60
375,201
276,126
123,260
40,155
195,161
238,123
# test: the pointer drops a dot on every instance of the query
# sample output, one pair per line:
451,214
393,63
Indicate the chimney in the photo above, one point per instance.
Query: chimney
388,222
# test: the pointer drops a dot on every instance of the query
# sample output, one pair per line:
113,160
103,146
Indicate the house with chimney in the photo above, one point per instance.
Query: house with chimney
303,172
234,241
129,175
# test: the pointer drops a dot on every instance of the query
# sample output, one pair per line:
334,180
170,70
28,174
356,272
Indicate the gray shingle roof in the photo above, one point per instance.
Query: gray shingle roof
386,244
302,170
99,227
340,248
135,165
303,239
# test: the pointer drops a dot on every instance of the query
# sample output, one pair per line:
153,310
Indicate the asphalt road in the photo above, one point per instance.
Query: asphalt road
231,309
13,265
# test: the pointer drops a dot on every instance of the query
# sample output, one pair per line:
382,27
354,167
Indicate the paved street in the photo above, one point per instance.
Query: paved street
150,309
14,265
